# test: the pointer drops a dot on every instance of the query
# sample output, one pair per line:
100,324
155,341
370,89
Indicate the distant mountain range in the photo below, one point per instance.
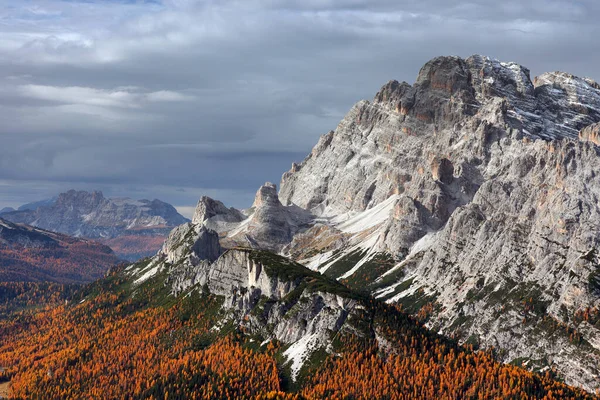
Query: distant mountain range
132,228
29,254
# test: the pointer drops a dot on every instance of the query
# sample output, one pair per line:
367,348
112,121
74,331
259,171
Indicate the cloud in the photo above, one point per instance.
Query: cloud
118,98
224,95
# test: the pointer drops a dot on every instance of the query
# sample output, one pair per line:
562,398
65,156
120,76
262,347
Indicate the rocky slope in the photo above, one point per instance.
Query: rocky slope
470,195
29,254
269,295
132,228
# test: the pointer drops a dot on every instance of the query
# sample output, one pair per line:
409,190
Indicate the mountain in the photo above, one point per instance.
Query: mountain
470,195
134,229
29,254
457,213
481,186
200,321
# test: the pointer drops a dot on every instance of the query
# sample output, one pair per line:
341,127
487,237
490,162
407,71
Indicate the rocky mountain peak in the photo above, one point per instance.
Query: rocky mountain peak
448,74
215,215
480,185
565,81
208,208
507,79
266,225
192,244
80,194
266,196
80,199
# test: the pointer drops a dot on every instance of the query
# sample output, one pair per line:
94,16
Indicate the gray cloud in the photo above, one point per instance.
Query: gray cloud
146,98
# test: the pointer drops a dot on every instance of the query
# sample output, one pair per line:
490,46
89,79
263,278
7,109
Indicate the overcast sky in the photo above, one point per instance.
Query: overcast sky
178,98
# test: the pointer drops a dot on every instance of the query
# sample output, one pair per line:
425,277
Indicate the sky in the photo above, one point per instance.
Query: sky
176,99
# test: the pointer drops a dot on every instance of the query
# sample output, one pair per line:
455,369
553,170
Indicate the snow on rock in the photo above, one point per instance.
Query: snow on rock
299,352
147,275
369,218
317,260
368,244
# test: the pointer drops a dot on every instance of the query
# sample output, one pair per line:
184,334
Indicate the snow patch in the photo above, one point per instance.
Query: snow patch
370,244
368,218
89,217
423,244
315,261
242,227
386,290
299,352
4,225
408,292
419,246
148,274
390,289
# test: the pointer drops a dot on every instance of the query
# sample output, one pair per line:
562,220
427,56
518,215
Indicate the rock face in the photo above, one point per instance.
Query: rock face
266,225
471,195
91,215
451,97
214,210
272,225
188,239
